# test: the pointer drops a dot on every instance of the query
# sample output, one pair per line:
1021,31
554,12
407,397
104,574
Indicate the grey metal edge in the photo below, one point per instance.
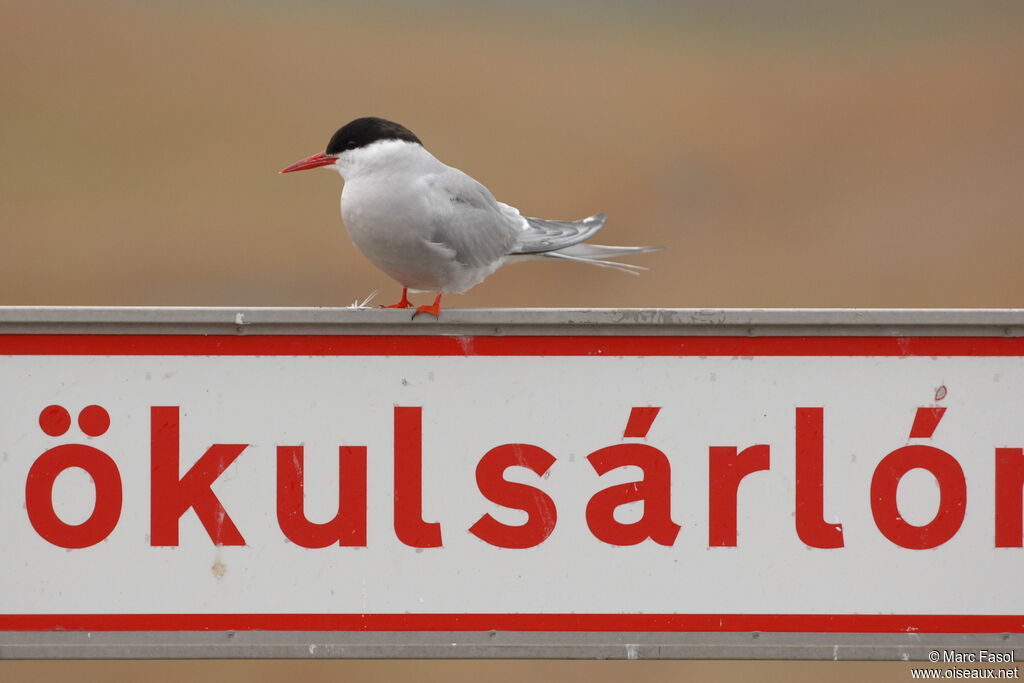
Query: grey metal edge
495,645
513,321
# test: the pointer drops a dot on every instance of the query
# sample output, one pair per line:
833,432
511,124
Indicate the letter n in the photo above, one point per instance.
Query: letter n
1009,480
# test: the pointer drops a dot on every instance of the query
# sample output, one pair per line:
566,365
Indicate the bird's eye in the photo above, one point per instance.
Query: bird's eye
351,144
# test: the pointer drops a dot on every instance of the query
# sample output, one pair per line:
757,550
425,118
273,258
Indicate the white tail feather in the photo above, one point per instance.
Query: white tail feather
621,267
594,254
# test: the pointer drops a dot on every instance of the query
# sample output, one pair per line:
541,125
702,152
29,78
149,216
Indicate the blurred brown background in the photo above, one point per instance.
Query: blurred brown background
793,153
787,153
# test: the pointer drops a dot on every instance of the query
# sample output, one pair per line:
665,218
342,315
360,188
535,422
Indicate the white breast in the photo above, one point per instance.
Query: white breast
392,219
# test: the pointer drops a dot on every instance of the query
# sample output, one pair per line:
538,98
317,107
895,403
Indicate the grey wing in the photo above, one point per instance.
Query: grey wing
468,219
541,235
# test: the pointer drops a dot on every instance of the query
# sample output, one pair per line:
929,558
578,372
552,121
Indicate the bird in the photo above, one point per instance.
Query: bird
434,228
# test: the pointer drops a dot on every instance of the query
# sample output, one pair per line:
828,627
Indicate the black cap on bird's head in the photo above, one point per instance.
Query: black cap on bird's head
366,131
353,135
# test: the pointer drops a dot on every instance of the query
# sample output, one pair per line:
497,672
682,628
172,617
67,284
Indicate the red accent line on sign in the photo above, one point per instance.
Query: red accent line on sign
774,623
640,421
926,420
424,345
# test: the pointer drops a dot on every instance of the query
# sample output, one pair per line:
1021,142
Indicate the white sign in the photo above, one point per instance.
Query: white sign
513,483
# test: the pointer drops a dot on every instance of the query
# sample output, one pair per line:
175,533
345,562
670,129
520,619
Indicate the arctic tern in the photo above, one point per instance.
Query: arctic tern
432,227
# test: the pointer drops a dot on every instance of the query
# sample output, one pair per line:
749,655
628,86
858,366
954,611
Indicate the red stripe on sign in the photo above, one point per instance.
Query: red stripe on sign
774,623
408,345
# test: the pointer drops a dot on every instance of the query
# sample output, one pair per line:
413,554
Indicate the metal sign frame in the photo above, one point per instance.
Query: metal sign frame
898,330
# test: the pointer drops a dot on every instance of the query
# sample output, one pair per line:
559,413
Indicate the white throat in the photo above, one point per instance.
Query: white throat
384,157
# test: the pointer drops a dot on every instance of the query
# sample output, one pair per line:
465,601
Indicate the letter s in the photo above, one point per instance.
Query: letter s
539,507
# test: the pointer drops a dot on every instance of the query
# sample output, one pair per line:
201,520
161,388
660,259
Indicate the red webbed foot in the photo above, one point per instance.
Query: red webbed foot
433,309
404,303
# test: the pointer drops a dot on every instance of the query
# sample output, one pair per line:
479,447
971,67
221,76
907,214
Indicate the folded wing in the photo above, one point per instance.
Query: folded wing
541,235
468,220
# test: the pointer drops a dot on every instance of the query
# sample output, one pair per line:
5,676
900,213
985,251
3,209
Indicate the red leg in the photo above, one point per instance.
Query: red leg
433,309
404,303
